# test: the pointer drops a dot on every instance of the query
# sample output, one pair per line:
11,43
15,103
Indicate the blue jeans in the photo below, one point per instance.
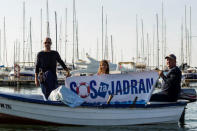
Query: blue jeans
49,84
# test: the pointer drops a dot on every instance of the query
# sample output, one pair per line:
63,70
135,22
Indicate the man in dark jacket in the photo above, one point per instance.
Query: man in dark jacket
47,63
172,82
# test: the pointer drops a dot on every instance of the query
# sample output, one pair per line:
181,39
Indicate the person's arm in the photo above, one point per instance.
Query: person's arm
37,71
59,60
36,80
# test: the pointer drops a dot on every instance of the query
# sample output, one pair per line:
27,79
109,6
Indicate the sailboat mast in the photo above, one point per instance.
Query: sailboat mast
102,32
153,51
106,56
60,38
77,40
162,37
112,50
5,48
186,53
182,52
190,45
30,38
14,52
142,39
0,49
23,31
148,46
157,42
65,32
56,30
48,26
137,39
73,33
97,48
41,29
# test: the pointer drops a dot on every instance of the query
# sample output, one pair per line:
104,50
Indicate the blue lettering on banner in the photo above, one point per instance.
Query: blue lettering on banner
111,92
118,88
134,87
123,87
103,89
149,84
94,94
73,86
141,86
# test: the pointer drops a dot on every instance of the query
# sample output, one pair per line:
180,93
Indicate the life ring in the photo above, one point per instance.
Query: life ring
87,87
16,70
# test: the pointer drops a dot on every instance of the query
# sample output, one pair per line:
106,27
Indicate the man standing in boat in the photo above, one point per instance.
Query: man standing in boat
46,66
172,82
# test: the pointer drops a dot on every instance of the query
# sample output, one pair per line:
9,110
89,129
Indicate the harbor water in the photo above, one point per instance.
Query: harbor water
190,118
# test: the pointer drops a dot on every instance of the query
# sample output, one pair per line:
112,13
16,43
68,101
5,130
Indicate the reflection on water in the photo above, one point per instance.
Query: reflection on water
190,118
159,127
21,89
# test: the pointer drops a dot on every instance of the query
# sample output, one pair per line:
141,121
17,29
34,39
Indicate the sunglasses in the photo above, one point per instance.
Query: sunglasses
47,42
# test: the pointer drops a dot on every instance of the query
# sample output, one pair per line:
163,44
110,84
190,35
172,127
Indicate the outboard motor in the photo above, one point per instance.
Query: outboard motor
188,94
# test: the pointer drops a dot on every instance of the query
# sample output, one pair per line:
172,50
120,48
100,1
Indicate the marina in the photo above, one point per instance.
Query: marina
119,65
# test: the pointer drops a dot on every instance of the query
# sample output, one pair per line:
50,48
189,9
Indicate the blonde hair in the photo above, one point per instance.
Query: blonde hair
107,70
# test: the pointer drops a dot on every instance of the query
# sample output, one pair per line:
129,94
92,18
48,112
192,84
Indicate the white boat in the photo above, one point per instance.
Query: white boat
89,67
26,73
23,71
127,107
35,108
4,71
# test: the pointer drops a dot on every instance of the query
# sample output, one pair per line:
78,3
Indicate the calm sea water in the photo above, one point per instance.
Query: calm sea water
190,119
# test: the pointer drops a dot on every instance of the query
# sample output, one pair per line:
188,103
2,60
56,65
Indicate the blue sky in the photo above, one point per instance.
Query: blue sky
121,16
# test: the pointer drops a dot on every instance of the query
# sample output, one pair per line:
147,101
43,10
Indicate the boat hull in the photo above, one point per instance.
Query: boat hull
99,116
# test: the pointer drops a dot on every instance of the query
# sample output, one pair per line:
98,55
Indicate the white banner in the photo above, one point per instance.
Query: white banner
123,87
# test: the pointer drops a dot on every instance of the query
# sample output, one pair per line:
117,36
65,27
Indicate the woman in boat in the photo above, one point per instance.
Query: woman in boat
46,64
103,67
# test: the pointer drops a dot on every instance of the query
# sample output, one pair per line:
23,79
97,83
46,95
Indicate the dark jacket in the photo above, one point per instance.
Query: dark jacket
47,61
172,83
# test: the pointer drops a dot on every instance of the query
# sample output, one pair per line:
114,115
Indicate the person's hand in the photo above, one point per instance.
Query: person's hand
160,72
68,73
37,82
